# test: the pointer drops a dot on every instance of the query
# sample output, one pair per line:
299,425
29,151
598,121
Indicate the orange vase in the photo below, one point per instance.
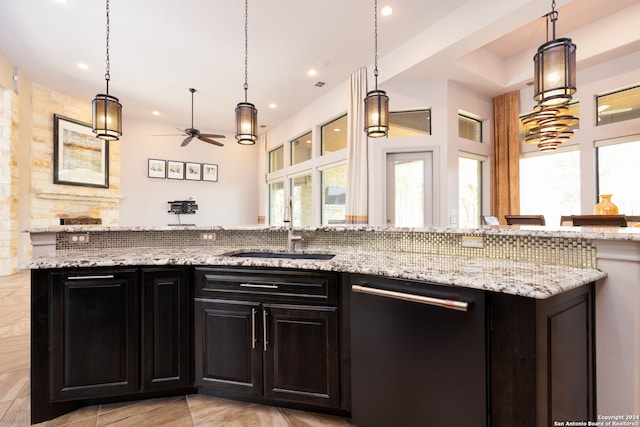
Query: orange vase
606,206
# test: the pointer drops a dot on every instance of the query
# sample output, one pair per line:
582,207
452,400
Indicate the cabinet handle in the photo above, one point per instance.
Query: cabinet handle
108,276
264,329
253,329
253,285
445,303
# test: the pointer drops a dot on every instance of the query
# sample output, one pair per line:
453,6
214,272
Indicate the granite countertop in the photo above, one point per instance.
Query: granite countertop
512,277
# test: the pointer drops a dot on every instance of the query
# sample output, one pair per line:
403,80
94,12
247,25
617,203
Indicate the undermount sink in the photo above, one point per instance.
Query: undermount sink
288,255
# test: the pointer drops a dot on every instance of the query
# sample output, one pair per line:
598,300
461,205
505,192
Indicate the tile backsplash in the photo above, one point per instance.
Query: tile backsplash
566,251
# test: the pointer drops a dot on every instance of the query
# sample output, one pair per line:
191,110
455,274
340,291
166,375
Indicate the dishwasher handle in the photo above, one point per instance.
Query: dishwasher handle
439,302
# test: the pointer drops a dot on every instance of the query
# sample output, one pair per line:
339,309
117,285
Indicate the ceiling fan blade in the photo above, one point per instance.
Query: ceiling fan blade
211,135
186,141
210,141
184,132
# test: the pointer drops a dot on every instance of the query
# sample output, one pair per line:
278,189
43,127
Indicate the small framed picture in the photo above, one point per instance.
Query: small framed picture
175,170
209,172
157,168
193,171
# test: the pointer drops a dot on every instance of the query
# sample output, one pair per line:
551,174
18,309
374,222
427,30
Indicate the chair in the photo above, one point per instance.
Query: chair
525,219
599,220
566,220
490,220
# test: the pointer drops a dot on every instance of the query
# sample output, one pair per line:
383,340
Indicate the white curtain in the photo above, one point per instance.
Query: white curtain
357,156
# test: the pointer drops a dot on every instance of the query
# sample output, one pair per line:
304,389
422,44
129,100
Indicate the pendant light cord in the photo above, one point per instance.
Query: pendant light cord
552,17
375,41
107,75
246,48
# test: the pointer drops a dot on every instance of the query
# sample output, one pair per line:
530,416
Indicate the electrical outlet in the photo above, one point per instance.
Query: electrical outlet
79,238
472,242
208,236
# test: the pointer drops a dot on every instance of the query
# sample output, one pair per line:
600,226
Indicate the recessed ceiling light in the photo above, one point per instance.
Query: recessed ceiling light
336,130
83,66
156,113
386,11
308,141
312,72
272,105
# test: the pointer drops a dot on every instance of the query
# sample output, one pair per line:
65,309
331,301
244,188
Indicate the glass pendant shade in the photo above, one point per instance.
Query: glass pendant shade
555,72
246,123
376,114
107,117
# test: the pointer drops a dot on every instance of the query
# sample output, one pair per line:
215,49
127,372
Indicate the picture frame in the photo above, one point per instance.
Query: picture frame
175,169
157,168
193,171
209,172
79,157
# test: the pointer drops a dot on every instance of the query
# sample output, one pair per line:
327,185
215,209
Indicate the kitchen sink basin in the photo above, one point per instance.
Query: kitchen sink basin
287,255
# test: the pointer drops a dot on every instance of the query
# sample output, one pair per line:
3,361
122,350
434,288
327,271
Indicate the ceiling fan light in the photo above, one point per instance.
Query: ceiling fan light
246,123
107,117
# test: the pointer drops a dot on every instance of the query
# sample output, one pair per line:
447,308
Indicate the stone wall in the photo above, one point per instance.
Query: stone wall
8,181
49,201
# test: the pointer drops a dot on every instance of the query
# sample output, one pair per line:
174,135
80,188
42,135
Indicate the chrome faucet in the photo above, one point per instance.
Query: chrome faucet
288,217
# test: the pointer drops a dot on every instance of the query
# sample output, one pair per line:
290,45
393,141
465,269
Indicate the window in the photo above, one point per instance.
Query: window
301,149
469,192
619,175
409,123
334,135
276,203
550,185
618,106
301,192
469,128
276,159
334,188
409,189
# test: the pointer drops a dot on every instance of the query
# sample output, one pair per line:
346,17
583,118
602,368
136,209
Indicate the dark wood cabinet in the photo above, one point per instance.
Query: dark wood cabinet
252,345
301,357
99,333
166,329
94,334
542,359
227,350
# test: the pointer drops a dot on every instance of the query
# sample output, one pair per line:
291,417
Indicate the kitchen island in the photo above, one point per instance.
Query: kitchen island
525,266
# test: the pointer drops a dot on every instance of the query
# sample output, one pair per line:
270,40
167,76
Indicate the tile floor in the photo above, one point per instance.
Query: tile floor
192,410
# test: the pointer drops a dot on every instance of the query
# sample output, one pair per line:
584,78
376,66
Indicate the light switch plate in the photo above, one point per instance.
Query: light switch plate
472,242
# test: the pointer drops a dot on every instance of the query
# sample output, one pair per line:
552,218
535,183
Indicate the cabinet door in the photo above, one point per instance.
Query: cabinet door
227,346
166,329
94,334
302,357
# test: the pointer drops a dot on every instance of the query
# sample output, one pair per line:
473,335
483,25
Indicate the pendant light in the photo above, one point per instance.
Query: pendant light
107,110
246,113
554,67
376,103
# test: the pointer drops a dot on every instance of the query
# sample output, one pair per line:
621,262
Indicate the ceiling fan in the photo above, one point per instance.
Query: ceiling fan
192,132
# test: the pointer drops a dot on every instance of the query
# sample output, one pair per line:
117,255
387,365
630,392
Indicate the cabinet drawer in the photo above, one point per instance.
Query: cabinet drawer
267,285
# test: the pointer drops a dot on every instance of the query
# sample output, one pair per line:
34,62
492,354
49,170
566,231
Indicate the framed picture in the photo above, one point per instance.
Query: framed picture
175,170
209,172
79,158
193,171
157,168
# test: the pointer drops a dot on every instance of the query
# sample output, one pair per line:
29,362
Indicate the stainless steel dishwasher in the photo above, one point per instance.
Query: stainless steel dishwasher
418,354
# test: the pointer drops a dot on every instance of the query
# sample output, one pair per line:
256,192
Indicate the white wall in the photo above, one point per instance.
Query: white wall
233,200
